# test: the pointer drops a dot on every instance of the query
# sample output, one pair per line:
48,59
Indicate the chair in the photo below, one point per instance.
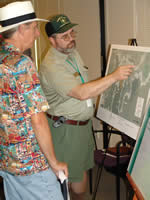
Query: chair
113,159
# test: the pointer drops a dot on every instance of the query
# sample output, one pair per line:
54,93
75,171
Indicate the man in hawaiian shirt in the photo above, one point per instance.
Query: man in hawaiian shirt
27,160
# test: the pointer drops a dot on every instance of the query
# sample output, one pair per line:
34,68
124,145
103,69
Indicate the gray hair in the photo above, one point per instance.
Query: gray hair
8,34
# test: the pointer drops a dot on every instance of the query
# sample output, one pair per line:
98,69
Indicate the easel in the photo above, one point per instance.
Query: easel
137,194
133,42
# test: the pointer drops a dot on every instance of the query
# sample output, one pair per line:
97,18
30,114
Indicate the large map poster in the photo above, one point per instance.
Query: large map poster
123,104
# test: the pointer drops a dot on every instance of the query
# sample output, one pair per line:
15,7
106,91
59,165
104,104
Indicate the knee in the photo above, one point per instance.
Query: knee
78,191
79,188
76,194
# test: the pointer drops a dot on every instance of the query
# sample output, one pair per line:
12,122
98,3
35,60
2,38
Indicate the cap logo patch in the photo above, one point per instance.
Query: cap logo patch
62,19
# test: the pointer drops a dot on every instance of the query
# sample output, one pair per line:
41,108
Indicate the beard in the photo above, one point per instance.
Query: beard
69,49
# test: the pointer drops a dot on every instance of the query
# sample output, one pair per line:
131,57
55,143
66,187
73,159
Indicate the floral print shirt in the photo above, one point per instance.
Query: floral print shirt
20,97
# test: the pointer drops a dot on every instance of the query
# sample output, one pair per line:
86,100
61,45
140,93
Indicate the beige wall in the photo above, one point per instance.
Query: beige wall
126,19
119,21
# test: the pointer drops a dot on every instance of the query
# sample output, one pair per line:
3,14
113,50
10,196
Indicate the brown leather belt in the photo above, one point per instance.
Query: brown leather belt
68,121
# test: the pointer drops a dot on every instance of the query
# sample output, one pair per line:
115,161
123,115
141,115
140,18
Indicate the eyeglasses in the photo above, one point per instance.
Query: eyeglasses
67,36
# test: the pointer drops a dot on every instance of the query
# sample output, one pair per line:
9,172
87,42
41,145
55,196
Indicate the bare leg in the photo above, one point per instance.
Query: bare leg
78,189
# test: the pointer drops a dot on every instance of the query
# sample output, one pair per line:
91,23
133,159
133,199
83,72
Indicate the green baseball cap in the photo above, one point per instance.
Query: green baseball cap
58,24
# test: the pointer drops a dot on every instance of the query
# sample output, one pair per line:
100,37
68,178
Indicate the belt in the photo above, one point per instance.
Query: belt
69,121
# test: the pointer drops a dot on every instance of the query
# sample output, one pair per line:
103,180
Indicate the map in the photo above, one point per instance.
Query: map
123,105
140,161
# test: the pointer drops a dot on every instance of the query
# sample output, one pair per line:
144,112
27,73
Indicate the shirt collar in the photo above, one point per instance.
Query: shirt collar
9,47
59,54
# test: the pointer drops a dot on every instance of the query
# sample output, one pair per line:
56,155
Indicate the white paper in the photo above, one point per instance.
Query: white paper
89,103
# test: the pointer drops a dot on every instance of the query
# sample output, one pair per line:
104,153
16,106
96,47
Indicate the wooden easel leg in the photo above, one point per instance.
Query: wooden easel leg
135,198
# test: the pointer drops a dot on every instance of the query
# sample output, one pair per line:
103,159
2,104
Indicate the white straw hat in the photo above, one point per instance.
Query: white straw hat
17,13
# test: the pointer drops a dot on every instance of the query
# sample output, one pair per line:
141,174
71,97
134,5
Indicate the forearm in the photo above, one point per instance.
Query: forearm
43,136
92,88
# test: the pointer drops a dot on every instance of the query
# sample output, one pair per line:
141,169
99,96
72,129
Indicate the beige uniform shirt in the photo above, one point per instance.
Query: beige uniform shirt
58,77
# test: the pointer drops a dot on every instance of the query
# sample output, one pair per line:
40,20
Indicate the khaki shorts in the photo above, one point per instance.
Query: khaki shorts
74,145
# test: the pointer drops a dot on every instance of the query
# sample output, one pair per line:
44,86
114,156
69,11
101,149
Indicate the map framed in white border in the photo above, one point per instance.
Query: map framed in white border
123,104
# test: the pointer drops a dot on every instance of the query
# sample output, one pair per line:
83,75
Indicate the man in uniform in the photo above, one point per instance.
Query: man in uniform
65,83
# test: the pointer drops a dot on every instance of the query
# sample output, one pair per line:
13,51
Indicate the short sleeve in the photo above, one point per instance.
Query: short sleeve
30,95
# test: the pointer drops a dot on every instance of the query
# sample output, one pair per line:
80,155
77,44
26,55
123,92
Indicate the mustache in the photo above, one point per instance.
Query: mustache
72,42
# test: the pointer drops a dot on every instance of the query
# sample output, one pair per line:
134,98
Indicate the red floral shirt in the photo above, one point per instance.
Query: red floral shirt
20,97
